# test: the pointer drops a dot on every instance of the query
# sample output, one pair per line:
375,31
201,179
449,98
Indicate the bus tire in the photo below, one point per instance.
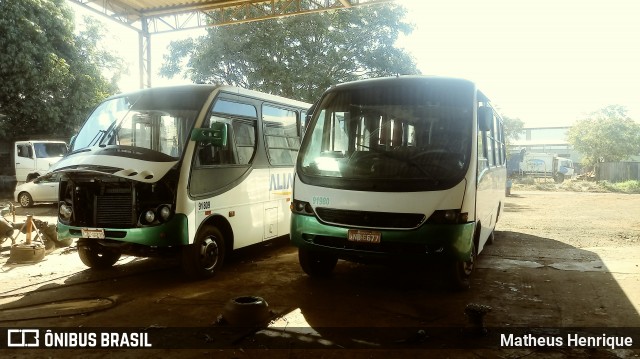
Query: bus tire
460,271
317,264
97,257
205,256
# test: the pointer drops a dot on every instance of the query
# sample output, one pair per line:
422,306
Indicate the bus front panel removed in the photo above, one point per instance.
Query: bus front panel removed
195,170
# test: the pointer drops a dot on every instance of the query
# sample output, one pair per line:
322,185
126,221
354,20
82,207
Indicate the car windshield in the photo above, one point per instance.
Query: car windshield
387,132
154,120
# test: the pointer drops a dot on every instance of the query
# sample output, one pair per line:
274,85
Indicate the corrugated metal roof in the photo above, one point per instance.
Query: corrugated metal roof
149,17
156,16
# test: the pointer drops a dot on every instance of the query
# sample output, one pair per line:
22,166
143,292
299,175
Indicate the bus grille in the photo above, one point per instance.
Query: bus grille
370,219
114,211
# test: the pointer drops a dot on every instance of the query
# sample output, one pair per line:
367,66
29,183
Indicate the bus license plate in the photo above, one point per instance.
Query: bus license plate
93,233
356,235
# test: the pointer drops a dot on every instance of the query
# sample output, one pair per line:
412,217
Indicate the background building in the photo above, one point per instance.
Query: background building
552,140
549,140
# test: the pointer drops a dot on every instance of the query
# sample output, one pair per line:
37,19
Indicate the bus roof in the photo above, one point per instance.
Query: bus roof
207,88
403,78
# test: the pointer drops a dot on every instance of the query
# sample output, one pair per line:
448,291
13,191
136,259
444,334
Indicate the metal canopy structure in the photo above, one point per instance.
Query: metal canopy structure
149,17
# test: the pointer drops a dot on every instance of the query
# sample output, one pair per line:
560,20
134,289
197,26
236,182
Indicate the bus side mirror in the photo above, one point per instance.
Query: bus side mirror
485,118
216,135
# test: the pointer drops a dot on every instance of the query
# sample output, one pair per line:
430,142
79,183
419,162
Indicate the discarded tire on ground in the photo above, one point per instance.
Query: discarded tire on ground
26,253
246,311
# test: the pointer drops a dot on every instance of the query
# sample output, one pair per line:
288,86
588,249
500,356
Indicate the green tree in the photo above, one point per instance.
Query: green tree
513,128
297,56
90,45
47,80
607,135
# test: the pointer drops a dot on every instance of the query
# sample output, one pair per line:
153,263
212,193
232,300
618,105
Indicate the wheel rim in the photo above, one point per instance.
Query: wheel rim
24,200
209,253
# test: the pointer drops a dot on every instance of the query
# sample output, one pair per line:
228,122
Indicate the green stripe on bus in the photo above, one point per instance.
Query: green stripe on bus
172,233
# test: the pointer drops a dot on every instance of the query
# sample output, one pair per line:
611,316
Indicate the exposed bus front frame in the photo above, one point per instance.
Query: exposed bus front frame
199,170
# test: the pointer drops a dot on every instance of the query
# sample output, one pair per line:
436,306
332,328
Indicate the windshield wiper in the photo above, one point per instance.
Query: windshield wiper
97,138
406,160
115,125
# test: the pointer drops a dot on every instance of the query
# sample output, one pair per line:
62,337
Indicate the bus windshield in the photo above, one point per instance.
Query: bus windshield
150,120
381,133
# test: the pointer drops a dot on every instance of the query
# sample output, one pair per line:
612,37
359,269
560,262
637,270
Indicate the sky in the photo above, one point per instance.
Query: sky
546,62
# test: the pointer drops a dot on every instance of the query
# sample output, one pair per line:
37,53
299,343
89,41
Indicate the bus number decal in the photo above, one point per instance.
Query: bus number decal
204,205
320,201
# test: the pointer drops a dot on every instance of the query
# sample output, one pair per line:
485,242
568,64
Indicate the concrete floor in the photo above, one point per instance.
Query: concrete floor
537,279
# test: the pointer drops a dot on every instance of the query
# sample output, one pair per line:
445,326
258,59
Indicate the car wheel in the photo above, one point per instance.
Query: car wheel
317,264
205,256
25,199
97,256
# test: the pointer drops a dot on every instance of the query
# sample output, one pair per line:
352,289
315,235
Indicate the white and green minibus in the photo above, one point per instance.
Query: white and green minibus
407,169
194,170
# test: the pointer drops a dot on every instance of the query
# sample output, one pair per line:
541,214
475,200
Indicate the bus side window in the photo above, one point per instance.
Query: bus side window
209,155
483,161
281,134
244,133
205,155
240,119
491,143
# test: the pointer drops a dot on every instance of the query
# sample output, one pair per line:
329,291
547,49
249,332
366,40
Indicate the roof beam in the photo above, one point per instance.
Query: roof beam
206,14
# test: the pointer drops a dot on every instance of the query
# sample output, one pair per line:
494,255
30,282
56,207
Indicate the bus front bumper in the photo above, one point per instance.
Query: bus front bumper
172,233
428,242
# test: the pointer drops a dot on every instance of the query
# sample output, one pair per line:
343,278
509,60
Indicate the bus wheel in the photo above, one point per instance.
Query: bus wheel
205,256
97,256
460,271
316,264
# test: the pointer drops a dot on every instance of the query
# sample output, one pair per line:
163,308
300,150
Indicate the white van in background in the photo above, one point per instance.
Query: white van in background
34,158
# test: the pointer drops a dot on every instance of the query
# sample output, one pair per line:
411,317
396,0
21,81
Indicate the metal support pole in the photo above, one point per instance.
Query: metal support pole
144,49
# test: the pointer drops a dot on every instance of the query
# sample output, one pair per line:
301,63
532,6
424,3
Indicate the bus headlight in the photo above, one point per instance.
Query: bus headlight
165,213
448,216
65,211
301,207
149,216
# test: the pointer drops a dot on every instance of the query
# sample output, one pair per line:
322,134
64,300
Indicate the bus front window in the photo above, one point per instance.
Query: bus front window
156,121
390,133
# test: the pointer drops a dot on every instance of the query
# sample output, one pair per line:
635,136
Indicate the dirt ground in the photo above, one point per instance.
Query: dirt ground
562,263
